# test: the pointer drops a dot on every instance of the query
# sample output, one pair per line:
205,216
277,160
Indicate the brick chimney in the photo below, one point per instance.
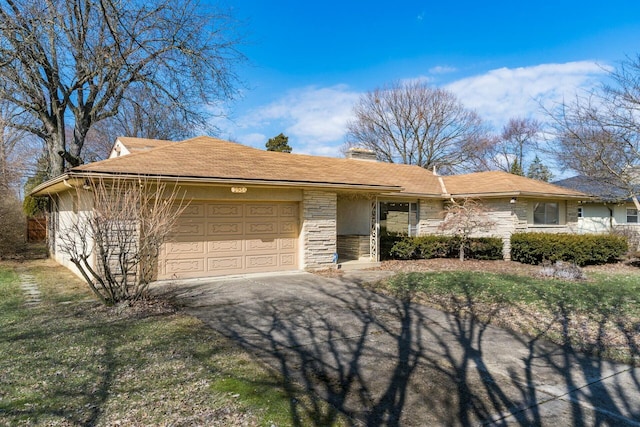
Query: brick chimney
360,153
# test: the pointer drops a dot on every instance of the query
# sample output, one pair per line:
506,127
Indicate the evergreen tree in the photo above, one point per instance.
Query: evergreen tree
516,169
36,206
279,143
537,170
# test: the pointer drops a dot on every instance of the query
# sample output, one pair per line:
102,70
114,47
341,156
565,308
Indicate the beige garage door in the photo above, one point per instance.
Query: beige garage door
213,239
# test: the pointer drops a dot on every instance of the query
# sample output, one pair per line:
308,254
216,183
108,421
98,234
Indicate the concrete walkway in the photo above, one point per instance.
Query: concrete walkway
388,362
30,288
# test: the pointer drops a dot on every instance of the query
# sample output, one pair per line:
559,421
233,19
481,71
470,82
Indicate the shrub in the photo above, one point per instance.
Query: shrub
583,249
404,248
438,246
488,248
435,246
387,242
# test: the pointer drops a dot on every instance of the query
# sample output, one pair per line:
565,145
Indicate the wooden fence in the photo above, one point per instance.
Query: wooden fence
37,229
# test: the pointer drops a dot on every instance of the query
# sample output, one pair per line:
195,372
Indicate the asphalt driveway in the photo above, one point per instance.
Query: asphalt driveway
383,361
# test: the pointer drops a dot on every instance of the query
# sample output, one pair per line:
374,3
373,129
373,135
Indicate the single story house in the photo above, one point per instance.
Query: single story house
608,209
259,211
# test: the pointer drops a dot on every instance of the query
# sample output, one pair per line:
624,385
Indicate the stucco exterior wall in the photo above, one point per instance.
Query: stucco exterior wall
353,216
318,236
596,218
620,213
69,208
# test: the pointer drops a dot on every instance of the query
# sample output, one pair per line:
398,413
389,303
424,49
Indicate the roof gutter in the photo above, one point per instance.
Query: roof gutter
60,179
54,184
520,194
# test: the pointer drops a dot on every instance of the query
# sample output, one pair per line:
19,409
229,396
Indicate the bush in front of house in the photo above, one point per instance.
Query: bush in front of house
388,241
486,248
580,249
438,246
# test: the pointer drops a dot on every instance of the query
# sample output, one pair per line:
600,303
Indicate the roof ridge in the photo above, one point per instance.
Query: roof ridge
133,153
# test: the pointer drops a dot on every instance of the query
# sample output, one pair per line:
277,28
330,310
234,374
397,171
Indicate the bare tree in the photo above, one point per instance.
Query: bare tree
12,224
598,134
463,218
141,115
115,239
15,147
77,60
416,124
518,138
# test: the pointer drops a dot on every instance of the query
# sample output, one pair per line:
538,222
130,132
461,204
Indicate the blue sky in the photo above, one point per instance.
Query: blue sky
308,62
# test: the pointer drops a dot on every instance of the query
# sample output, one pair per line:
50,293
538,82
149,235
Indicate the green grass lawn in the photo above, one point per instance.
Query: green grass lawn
73,362
600,316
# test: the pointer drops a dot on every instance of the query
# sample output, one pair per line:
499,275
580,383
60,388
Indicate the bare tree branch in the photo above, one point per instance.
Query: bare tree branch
598,134
79,60
517,139
116,235
463,218
415,124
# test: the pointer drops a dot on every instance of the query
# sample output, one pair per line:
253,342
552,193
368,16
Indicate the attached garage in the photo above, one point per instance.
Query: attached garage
213,239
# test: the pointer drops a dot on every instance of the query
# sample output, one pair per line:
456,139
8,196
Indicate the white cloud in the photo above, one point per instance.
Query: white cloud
508,92
442,69
254,139
314,118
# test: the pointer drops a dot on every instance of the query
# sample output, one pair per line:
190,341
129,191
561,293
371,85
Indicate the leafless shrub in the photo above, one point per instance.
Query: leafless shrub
115,240
562,270
464,218
12,225
632,235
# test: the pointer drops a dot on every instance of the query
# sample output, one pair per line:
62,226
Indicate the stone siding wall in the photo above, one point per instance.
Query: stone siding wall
319,210
508,218
431,214
353,246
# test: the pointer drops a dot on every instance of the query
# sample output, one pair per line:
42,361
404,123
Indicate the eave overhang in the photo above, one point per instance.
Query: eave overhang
74,179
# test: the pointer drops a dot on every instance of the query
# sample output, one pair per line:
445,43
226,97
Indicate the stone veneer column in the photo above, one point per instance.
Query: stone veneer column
319,212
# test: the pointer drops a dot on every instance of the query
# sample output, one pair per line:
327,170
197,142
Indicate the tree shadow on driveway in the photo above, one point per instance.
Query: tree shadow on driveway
389,361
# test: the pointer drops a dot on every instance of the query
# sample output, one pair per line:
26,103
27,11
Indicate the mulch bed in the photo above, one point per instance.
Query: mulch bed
504,267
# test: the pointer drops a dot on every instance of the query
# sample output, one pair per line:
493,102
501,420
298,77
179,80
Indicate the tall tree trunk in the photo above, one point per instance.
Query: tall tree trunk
55,144
54,138
79,135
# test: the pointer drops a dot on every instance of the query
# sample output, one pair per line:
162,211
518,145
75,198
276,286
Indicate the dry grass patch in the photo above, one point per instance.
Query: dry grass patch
598,316
71,361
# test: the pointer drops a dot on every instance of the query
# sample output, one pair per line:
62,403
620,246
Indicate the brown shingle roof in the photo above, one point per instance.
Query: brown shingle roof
497,182
207,157
142,144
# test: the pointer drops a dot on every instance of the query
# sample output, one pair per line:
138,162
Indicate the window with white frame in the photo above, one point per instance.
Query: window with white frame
546,213
580,212
632,216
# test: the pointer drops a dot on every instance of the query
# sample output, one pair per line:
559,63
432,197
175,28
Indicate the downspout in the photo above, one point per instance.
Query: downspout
610,216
